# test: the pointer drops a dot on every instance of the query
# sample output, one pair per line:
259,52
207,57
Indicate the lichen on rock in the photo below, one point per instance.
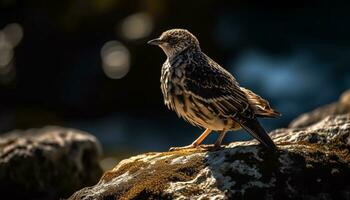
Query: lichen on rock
312,163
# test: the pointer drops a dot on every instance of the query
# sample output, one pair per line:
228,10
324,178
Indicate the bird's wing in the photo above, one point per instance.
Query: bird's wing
212,84
260,106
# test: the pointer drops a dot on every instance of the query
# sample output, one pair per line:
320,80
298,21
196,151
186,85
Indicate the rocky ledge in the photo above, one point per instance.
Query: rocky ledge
313,162
47,163
342,106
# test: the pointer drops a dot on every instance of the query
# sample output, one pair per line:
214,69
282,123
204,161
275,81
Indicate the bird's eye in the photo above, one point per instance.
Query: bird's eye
171,41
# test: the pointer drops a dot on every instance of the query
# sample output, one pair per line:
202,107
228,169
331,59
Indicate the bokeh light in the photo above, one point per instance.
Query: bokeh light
115,59
14,33
6,50
10,37
137,26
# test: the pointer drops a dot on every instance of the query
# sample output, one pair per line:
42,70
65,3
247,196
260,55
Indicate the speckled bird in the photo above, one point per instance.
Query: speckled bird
206,95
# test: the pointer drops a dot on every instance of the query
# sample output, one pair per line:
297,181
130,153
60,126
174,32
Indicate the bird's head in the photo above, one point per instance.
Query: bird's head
174,41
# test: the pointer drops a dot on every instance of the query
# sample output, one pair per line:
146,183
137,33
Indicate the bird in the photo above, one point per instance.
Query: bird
205,94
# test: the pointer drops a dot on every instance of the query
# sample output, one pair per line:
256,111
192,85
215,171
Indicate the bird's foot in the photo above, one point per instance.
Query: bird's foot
191,146
197,147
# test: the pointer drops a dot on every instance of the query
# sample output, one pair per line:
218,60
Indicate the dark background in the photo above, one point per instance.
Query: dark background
54,70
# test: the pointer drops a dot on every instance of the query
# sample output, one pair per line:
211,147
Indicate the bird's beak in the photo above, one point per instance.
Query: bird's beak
156,41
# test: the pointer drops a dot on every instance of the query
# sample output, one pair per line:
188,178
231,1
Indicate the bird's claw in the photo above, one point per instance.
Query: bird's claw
183,148
199,147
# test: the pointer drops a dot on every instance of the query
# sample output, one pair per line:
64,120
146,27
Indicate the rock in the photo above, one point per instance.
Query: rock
47,163
312,163
336,108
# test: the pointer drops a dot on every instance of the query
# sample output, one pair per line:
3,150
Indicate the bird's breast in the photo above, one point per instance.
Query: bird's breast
185,105
171,81
172,84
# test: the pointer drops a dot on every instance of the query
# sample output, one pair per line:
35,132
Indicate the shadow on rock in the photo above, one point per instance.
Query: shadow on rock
312,163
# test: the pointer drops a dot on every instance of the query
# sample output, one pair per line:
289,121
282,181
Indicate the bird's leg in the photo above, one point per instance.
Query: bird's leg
200,139
218,142
195,143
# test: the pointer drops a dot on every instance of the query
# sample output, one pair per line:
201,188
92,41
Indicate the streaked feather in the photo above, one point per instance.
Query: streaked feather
260,106
206,95
211,83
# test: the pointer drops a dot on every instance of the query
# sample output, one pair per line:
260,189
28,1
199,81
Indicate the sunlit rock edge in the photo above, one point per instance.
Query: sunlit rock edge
313,162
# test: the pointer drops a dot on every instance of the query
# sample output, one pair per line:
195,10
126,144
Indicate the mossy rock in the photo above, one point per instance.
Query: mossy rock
311,163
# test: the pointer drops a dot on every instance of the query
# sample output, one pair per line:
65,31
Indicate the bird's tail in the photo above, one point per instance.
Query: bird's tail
258,132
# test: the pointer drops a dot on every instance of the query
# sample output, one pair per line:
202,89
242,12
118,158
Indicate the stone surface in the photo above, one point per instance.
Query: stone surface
340,107
312,163
47,163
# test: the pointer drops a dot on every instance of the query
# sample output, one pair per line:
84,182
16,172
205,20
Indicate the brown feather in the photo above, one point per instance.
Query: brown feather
260,106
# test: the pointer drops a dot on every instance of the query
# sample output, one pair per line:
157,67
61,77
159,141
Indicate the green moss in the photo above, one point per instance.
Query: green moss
148,181
131,167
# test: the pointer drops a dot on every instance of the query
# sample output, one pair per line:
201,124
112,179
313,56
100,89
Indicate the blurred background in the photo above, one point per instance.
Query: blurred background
86,65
